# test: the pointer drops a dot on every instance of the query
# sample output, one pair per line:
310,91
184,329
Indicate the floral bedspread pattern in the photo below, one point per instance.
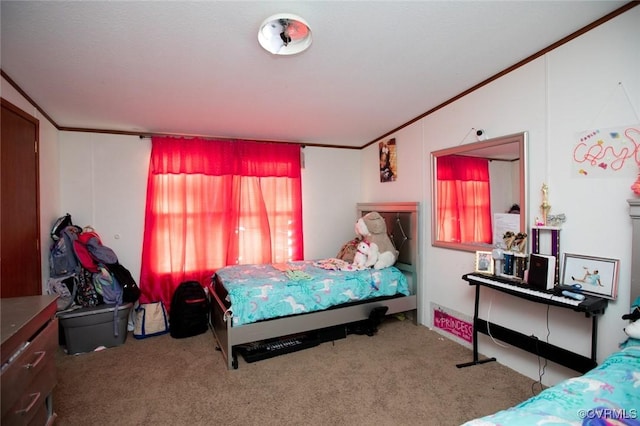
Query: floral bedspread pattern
607,395
259,292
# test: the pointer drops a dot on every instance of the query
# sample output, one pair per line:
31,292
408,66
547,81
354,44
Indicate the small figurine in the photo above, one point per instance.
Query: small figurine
545,206
520,242
508,238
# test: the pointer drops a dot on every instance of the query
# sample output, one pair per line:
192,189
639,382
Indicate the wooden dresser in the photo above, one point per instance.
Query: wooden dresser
29,343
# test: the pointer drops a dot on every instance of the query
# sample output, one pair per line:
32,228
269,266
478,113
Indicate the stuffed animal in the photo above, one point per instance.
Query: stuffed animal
374,254
633,329
361,254
361,259
348,250
373,228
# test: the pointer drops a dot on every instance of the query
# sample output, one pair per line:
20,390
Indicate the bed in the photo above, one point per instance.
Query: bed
607,395
238,319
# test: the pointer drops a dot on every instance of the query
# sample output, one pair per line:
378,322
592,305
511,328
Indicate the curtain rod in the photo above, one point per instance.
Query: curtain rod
176,136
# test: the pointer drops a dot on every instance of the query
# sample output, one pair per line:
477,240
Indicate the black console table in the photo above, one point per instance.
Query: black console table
591,306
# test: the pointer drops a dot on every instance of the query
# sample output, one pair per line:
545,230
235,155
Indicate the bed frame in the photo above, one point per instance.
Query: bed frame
402,225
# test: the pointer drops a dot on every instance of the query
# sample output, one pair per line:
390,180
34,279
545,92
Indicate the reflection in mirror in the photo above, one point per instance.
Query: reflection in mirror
479,190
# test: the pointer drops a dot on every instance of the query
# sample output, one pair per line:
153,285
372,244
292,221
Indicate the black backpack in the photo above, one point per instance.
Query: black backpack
59,225
130,290
189,314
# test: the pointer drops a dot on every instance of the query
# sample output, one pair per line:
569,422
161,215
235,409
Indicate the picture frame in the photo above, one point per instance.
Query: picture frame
484,262
598,276
388,160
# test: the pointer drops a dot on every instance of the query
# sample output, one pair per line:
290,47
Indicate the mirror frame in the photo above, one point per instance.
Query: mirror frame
522,140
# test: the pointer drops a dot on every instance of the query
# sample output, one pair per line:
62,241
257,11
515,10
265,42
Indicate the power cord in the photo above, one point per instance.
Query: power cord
489,328
537,386
542,366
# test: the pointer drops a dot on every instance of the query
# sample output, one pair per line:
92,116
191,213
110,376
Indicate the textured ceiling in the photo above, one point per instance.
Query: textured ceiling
196,68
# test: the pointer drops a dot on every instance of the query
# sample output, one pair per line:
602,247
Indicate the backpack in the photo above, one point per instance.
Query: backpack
130,290
62,258
110,291
86,294
65,288
90,251
189,313
59,225
108,287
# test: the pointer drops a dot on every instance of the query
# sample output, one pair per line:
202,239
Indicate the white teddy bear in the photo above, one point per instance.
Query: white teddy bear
366,255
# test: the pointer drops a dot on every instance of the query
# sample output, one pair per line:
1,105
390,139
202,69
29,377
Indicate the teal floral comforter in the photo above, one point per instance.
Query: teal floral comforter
607,395
259,292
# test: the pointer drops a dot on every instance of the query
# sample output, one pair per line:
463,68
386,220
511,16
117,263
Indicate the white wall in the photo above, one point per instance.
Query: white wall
103,184
571,89
503,176
330,192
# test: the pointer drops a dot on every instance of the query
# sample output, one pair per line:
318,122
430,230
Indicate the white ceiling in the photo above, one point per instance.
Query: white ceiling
196,68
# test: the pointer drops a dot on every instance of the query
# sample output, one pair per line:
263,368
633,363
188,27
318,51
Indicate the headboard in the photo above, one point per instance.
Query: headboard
402,221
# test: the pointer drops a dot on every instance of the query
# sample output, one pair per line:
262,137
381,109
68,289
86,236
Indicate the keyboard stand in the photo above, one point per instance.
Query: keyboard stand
476,322
532,344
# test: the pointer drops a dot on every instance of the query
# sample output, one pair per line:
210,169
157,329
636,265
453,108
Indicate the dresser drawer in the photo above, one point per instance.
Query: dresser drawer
32,371
40,417
31,406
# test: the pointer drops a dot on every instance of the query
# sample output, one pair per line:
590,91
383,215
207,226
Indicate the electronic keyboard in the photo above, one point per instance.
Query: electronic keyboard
271,348
590,304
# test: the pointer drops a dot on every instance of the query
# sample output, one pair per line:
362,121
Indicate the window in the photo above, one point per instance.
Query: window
216,203
464,199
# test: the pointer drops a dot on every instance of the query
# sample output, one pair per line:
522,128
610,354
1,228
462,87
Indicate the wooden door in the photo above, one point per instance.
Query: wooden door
20,271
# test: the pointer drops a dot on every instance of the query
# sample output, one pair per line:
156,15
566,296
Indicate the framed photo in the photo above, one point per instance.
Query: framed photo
598,276
484,262
388,160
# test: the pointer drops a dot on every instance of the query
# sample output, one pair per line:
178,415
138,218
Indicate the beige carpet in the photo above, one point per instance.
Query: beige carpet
404,375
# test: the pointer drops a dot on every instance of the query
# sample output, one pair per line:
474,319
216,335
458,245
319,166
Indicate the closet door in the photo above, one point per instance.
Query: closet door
20,273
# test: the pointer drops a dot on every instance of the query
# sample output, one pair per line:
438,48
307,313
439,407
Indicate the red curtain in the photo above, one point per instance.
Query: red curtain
464,200
212,203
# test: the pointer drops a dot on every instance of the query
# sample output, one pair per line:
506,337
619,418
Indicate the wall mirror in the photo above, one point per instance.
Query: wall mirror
503,161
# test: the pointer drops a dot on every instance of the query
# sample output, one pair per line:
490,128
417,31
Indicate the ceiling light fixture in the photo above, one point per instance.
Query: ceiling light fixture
284,34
